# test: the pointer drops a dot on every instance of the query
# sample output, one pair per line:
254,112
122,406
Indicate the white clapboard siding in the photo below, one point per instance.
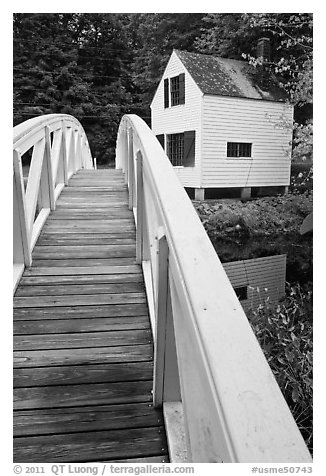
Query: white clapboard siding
176,119
264,277
259,122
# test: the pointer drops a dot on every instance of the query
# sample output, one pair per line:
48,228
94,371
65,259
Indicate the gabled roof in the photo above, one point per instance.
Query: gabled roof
228,77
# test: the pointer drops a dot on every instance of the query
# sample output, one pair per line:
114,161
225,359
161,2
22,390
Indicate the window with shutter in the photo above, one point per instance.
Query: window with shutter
177,89
181,149
189,149
175,148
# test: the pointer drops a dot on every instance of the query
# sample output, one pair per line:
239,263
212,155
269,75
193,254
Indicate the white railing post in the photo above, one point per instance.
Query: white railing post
47,181
21,239
118,151
140,206
131,177
73,144
64,154
70,151
78,162
166,386
125,156
160,317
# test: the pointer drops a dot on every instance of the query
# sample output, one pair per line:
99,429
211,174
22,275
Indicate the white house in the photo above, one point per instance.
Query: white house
222,124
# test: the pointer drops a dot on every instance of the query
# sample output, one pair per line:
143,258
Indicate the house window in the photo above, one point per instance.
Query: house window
180,148
242,293
174,90
175,148
239,149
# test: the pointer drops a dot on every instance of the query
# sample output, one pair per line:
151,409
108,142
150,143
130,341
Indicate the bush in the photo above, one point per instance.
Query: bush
284,332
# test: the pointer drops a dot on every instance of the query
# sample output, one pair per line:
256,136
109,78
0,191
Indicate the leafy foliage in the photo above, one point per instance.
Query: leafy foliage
285,332
99,66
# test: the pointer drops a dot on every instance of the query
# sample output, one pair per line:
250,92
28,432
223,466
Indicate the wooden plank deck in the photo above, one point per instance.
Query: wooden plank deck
83,351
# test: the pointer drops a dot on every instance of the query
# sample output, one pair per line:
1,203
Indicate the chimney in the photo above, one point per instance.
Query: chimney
264,50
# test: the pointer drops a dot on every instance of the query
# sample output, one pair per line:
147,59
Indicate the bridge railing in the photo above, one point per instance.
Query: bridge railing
206,355
58,147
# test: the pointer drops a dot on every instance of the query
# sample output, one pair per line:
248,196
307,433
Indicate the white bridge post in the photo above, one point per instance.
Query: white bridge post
140,206
166,375
131,177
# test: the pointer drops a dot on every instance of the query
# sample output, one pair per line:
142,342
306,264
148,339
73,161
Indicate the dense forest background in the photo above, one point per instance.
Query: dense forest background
99,66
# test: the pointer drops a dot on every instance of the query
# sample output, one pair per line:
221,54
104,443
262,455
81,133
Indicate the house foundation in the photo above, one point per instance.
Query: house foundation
199,194
245,193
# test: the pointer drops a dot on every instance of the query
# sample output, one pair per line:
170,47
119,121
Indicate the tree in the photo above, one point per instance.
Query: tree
76,64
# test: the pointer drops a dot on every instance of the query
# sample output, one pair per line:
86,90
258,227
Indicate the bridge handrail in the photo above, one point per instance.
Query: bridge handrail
59,148
206,354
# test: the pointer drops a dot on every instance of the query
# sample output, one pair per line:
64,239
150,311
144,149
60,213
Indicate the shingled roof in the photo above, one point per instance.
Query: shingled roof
228,77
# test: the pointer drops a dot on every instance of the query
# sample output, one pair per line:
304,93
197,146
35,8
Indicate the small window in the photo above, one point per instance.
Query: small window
242,293
175,147
175,91
238,149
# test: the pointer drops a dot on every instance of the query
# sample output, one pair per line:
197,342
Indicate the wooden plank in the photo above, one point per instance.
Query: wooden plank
77,419
81,312
83,394
78,300
109,222
91,446
97,182
82,270
59,326
90,189
90,206
84,251
49,239
89,214
82,340
81,279
94,198
97,355
84,262
57,239
81,289
77,374
76,226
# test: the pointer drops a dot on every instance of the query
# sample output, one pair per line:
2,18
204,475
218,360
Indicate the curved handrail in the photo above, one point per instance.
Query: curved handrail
59,148
233,408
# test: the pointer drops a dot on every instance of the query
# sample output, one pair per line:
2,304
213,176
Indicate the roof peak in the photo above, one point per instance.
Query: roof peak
228,77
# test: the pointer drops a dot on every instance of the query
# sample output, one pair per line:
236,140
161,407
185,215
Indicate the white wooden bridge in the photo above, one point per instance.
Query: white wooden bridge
125,321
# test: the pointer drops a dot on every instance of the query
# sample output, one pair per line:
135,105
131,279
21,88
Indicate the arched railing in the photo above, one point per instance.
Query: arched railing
206,355
58,147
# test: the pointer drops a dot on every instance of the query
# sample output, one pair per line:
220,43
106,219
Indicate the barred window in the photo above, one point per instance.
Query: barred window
175,147
175,91
238,149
